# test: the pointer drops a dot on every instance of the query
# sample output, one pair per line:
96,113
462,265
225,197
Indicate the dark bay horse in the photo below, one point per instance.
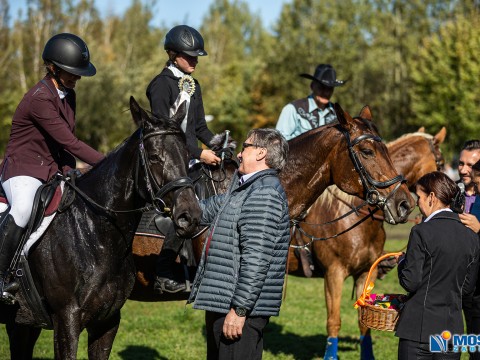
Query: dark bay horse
349,154
353,253
83,266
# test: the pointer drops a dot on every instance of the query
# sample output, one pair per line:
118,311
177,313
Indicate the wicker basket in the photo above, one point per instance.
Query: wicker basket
375,317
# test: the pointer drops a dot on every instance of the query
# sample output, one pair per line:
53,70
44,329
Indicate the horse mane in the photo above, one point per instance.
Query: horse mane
409,135
332,194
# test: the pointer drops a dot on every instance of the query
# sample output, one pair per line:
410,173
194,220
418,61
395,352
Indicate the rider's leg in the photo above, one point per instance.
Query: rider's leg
20,192
166,260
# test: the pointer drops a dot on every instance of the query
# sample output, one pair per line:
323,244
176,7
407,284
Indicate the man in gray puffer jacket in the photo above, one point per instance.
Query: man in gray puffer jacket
240,277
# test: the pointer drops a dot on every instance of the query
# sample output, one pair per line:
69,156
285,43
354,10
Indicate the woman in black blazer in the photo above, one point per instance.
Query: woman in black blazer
439,267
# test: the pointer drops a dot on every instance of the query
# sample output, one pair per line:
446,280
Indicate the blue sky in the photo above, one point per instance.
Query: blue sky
171,13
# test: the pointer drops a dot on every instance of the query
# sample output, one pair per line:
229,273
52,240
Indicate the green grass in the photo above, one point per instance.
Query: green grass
169,330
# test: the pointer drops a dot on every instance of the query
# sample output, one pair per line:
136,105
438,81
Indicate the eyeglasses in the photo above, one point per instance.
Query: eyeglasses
246,145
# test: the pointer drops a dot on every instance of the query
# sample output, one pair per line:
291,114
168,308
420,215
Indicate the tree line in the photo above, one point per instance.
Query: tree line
414,62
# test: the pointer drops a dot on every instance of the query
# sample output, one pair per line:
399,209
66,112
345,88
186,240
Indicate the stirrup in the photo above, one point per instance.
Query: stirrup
7,298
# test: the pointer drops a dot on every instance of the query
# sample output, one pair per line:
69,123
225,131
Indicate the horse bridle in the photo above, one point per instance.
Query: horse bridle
157,194
371,185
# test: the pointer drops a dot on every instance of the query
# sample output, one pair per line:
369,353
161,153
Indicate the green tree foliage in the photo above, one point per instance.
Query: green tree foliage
445,77
413,61
234,39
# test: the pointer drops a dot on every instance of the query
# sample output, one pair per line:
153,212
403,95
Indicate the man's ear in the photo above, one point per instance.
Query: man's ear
262,154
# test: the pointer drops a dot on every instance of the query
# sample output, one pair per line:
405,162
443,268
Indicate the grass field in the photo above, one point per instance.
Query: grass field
170,330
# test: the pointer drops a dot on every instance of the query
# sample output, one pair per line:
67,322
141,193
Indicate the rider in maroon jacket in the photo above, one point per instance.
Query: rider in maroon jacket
42,142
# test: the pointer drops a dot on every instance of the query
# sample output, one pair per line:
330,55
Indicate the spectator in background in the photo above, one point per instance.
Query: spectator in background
313,111
440,267
468,159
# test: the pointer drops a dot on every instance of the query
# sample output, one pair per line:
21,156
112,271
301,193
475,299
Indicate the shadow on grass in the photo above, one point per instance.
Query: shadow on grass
303,347
140,353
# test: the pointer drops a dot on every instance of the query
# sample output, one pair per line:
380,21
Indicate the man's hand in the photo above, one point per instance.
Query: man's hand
209,157
233,325
470,221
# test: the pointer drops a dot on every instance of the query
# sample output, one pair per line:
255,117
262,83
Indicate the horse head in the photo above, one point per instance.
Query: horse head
165,161
376,179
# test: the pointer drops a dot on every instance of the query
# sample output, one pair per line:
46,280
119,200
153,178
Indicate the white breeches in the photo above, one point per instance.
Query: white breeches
20,191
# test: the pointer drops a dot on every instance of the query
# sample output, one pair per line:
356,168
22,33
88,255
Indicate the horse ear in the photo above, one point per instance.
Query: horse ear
181,112
136,111
440,137
421,130
342,116
366,113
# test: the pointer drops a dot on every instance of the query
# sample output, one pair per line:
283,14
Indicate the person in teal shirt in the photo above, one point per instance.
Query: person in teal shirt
313,111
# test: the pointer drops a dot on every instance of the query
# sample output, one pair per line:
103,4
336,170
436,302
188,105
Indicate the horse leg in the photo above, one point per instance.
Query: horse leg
366,347
333,283
22,340
101,336
66,332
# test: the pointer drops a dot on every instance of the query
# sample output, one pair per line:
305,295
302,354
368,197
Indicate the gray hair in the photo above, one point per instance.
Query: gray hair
275,143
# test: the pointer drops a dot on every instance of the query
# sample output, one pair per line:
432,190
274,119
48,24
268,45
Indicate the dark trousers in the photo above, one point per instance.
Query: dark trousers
249,346
471,310
414,350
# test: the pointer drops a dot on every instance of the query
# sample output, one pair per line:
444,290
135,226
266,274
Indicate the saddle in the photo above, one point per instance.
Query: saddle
46,203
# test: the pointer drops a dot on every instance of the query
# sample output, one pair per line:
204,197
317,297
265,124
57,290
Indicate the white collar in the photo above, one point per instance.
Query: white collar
176,71
61,94
435,213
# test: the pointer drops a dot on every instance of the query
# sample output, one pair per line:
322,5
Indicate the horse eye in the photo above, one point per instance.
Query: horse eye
367,152
155,159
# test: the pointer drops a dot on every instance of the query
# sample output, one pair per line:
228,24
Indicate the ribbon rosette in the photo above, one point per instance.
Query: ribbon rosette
187,84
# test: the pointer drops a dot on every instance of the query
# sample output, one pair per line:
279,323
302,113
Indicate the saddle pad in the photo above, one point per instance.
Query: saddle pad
147,225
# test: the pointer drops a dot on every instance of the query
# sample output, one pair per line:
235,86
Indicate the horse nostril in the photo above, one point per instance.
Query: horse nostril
403,209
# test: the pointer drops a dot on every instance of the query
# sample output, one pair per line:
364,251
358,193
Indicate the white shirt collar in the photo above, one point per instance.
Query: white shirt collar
61,94
245,177
176,71
435,213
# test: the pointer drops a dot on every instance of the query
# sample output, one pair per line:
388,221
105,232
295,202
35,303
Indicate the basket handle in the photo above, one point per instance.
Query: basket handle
367,287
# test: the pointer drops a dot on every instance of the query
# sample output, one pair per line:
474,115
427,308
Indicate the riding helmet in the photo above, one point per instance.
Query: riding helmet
185,39
69,53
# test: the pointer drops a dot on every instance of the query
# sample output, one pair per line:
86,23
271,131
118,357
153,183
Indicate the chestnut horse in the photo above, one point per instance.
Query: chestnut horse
352,253
349,154
83,265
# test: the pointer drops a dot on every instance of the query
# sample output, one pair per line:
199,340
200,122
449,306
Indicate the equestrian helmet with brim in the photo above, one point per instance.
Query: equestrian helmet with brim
69,53
326,75
185,39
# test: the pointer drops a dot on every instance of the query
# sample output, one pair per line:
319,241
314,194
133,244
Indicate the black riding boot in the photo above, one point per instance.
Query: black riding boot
164,281
10,236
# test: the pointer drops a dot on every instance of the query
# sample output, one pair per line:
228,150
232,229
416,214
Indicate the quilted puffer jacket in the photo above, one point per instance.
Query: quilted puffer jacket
247,256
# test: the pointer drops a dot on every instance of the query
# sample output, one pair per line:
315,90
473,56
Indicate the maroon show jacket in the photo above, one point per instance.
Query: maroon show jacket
42,140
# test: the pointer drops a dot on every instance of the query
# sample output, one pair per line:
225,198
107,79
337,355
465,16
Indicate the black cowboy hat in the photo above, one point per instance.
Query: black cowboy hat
326,75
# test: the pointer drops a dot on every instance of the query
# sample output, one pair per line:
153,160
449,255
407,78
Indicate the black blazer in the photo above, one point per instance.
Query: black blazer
162,93
440,266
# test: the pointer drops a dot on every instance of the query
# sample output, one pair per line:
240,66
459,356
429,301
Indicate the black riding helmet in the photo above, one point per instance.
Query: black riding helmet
70,53
185,39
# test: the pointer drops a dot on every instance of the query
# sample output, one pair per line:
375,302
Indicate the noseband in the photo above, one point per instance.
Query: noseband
373,197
